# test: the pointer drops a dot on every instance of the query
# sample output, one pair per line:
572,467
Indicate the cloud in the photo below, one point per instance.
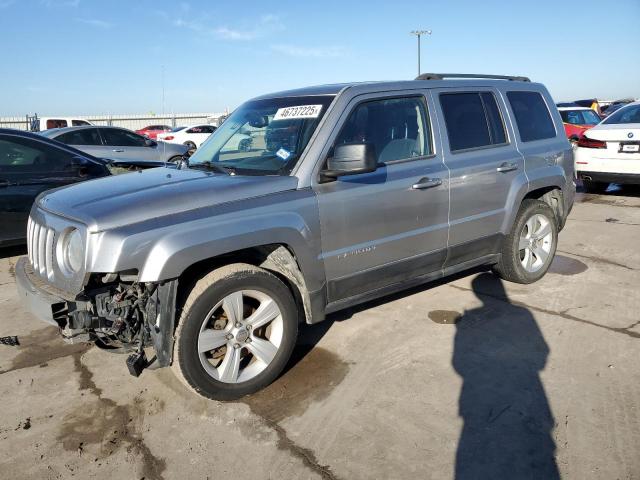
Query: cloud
265,25
313,52
95,22
231,34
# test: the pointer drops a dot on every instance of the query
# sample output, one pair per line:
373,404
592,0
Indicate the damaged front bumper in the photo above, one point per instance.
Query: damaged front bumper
98,312
43,304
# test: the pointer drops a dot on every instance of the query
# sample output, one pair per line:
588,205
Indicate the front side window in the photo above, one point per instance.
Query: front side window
397,127
628,114
263,137
473,120
115,137
532,116
18,155
85,136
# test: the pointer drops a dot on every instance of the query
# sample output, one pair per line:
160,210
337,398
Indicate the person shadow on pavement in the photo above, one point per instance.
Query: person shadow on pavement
499,352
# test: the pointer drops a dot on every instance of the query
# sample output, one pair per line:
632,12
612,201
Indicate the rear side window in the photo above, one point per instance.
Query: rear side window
532,116
473,120
85,136
56,123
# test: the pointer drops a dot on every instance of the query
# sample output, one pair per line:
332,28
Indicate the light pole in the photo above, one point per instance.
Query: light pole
419,33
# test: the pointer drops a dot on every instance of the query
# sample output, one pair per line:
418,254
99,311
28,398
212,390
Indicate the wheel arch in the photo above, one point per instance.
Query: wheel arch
277,258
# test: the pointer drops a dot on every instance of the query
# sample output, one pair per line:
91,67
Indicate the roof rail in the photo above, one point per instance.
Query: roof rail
442,76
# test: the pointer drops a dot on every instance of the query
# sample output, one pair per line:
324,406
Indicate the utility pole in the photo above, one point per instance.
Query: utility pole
162,75
419,33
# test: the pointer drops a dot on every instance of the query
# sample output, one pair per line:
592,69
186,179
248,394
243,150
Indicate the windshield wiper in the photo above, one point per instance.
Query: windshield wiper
210,166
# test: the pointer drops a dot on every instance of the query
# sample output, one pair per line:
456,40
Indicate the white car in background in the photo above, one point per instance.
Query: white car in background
610,151
192,136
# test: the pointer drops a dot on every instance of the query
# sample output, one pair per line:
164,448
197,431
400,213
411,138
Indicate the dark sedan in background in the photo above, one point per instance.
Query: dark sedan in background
117,143
29,165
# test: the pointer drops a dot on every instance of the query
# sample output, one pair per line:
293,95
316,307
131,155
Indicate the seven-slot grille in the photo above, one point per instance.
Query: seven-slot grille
40,240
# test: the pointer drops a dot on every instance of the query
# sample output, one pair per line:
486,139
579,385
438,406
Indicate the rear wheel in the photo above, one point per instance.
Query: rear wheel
175,159
531,245
594,187
237,330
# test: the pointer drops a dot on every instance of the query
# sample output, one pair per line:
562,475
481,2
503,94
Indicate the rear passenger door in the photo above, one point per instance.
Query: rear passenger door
484,166
85,139
388,226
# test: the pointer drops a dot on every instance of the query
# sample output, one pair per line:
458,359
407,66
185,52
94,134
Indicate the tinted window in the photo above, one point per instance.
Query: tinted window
397,127
79,123
115,137
532,116
473,120
494,119
53,123
629,114
580,117
85,136
25,155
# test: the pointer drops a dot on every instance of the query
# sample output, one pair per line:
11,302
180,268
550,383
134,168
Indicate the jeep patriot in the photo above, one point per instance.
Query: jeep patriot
349,192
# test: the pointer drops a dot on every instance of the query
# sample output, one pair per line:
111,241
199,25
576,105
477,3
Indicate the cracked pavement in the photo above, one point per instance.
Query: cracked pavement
466,378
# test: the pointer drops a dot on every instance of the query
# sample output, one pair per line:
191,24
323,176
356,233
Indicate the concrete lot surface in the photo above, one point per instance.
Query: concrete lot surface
470,378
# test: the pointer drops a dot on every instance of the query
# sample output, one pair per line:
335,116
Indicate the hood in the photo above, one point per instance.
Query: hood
120,200
618,132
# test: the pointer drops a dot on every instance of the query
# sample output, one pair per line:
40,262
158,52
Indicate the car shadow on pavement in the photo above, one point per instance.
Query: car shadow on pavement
8,252
499,352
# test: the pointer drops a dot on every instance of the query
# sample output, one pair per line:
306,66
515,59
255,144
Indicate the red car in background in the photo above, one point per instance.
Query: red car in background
577,120
152,131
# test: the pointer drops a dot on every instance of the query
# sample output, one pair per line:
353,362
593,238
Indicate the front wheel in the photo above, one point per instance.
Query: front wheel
529,248
237,330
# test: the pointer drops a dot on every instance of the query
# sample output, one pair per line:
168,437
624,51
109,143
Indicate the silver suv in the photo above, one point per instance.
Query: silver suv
348,193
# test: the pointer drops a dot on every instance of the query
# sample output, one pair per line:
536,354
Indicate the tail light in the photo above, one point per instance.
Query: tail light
590,143
170,137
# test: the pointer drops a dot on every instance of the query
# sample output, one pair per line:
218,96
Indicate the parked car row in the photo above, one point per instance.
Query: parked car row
192,137
32,163
610,151
117,143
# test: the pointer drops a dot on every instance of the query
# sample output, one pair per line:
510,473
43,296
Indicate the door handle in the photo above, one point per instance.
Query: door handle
426,182
507,167
118,150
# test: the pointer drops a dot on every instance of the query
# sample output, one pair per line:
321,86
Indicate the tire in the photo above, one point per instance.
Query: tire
204,370
590,186
190,145
529,248
175,159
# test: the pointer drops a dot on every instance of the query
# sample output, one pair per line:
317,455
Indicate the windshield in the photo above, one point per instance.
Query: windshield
628,114
580,117
263,137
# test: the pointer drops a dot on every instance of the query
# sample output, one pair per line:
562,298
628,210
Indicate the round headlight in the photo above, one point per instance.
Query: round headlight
73,253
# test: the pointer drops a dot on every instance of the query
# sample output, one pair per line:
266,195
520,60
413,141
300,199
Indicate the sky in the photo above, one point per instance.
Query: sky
86,57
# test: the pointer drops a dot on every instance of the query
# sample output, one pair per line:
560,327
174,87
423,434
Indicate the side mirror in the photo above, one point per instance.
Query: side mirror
150,143
80,165
351,159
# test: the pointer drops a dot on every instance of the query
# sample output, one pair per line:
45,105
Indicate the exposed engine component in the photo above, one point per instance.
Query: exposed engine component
114,317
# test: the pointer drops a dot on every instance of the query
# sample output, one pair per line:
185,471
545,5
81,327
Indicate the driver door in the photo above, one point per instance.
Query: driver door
389,226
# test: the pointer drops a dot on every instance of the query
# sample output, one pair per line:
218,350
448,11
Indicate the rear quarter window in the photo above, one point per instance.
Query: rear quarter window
532,116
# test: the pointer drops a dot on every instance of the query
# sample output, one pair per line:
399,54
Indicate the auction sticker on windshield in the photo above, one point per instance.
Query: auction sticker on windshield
301,111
